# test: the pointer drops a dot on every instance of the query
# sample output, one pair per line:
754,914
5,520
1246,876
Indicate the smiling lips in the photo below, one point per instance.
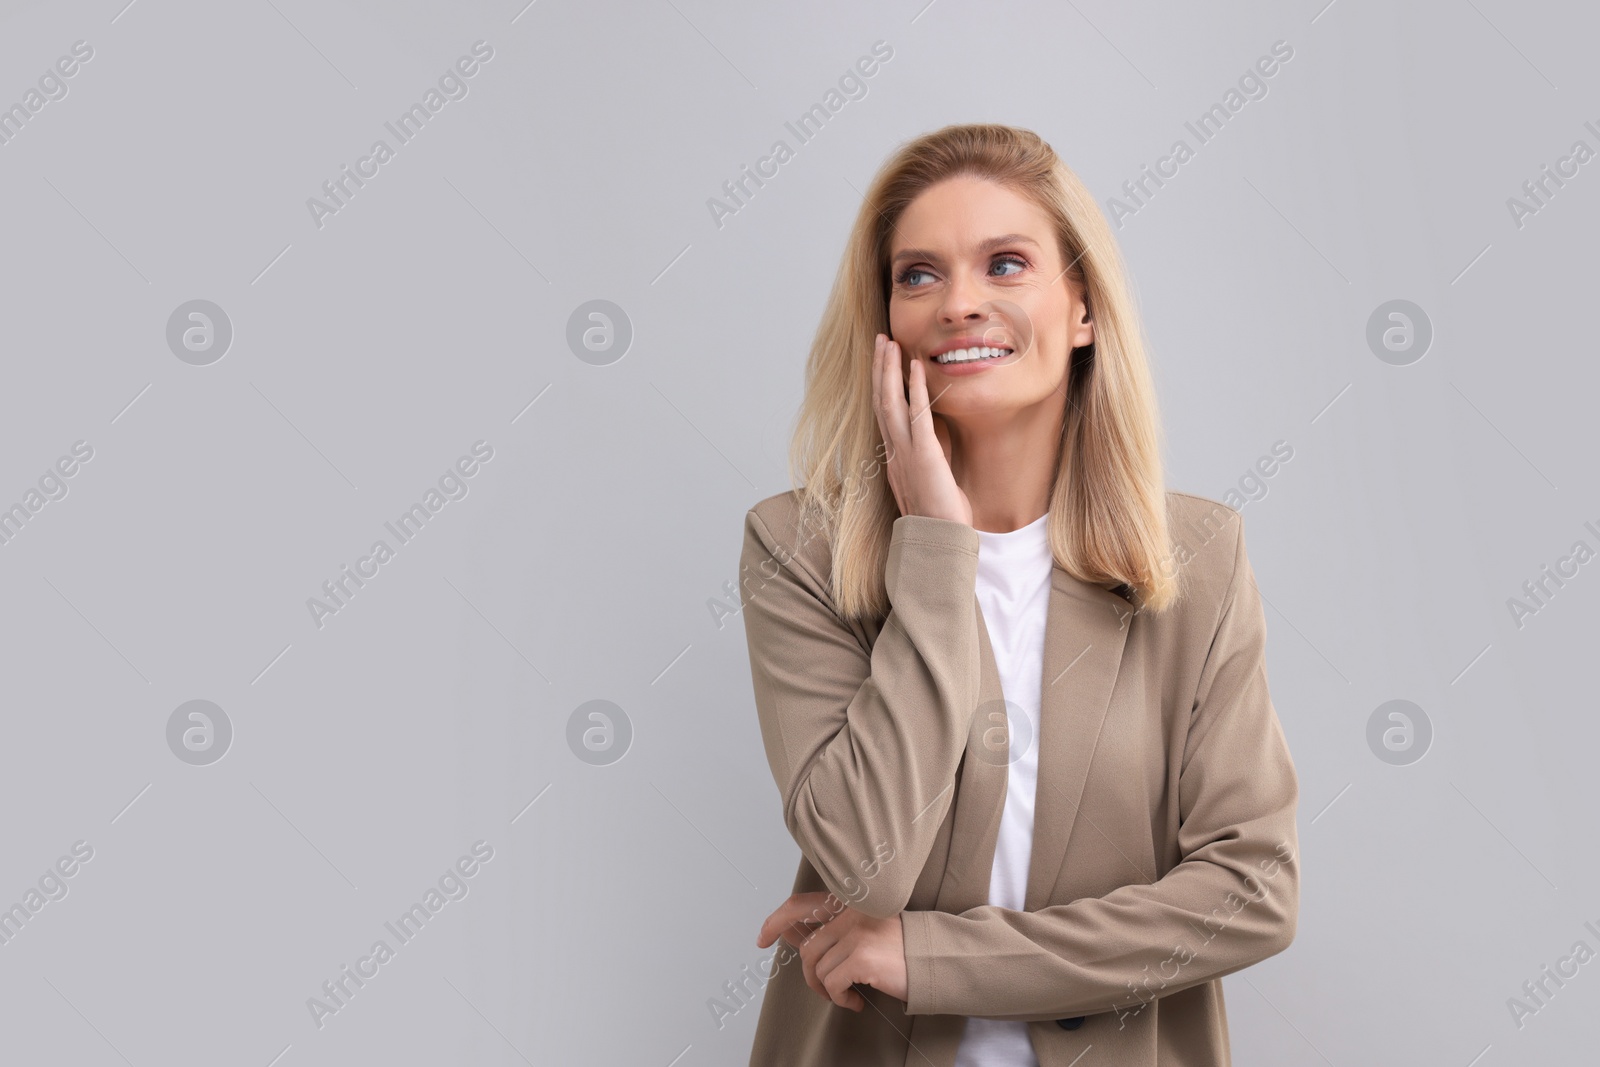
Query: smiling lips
972,354
972,348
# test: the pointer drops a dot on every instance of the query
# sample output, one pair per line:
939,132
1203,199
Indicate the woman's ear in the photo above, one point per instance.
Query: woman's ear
1083,333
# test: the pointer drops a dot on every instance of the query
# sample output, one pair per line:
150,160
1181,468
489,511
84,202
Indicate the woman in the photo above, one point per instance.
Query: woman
1012,691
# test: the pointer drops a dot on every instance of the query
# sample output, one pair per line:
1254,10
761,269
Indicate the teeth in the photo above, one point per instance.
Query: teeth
967,355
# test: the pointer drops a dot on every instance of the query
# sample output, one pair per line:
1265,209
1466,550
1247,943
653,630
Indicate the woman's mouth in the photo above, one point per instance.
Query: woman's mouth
971,355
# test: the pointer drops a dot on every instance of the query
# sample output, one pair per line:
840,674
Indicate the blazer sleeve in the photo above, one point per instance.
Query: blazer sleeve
864,745
1232,899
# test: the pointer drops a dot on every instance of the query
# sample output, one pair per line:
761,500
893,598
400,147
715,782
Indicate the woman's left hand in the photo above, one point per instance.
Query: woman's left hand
847,947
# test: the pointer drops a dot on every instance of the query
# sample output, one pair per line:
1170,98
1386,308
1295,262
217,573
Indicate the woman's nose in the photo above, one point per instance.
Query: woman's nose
964,298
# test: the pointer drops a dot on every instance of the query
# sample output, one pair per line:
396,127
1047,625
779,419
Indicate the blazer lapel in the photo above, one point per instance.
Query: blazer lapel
980,791
1085,630
1084,635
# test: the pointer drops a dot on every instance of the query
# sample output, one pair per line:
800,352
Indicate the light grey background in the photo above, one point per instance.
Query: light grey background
587,557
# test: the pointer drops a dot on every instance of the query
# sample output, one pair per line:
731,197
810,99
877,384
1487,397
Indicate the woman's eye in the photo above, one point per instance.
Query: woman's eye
1020,264
905,276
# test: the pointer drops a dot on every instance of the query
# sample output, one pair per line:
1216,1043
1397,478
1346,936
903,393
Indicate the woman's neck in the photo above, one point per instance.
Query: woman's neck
1006,467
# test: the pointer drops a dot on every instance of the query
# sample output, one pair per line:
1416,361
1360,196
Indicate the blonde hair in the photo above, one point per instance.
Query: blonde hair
1108,512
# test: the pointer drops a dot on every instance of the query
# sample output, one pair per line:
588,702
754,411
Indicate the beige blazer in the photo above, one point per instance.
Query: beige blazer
1164,847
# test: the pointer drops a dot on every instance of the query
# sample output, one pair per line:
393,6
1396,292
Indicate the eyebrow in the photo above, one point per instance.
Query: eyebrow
984,246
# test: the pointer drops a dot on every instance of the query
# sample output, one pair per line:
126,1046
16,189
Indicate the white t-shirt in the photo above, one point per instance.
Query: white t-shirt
1014,592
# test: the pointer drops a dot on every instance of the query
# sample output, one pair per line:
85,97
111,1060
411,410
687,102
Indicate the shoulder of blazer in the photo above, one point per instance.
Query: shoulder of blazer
778,519
1207,545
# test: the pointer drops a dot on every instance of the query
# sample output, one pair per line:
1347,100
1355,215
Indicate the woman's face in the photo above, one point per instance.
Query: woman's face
972,261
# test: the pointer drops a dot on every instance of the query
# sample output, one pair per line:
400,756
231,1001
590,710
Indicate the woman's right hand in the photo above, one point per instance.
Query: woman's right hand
917,440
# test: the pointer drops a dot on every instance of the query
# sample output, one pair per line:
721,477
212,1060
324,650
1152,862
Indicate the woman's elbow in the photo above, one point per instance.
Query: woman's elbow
874,878
881,901
1267,910
871,885
1285,917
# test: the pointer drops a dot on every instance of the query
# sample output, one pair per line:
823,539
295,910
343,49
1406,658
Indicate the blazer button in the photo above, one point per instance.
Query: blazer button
1070,1024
